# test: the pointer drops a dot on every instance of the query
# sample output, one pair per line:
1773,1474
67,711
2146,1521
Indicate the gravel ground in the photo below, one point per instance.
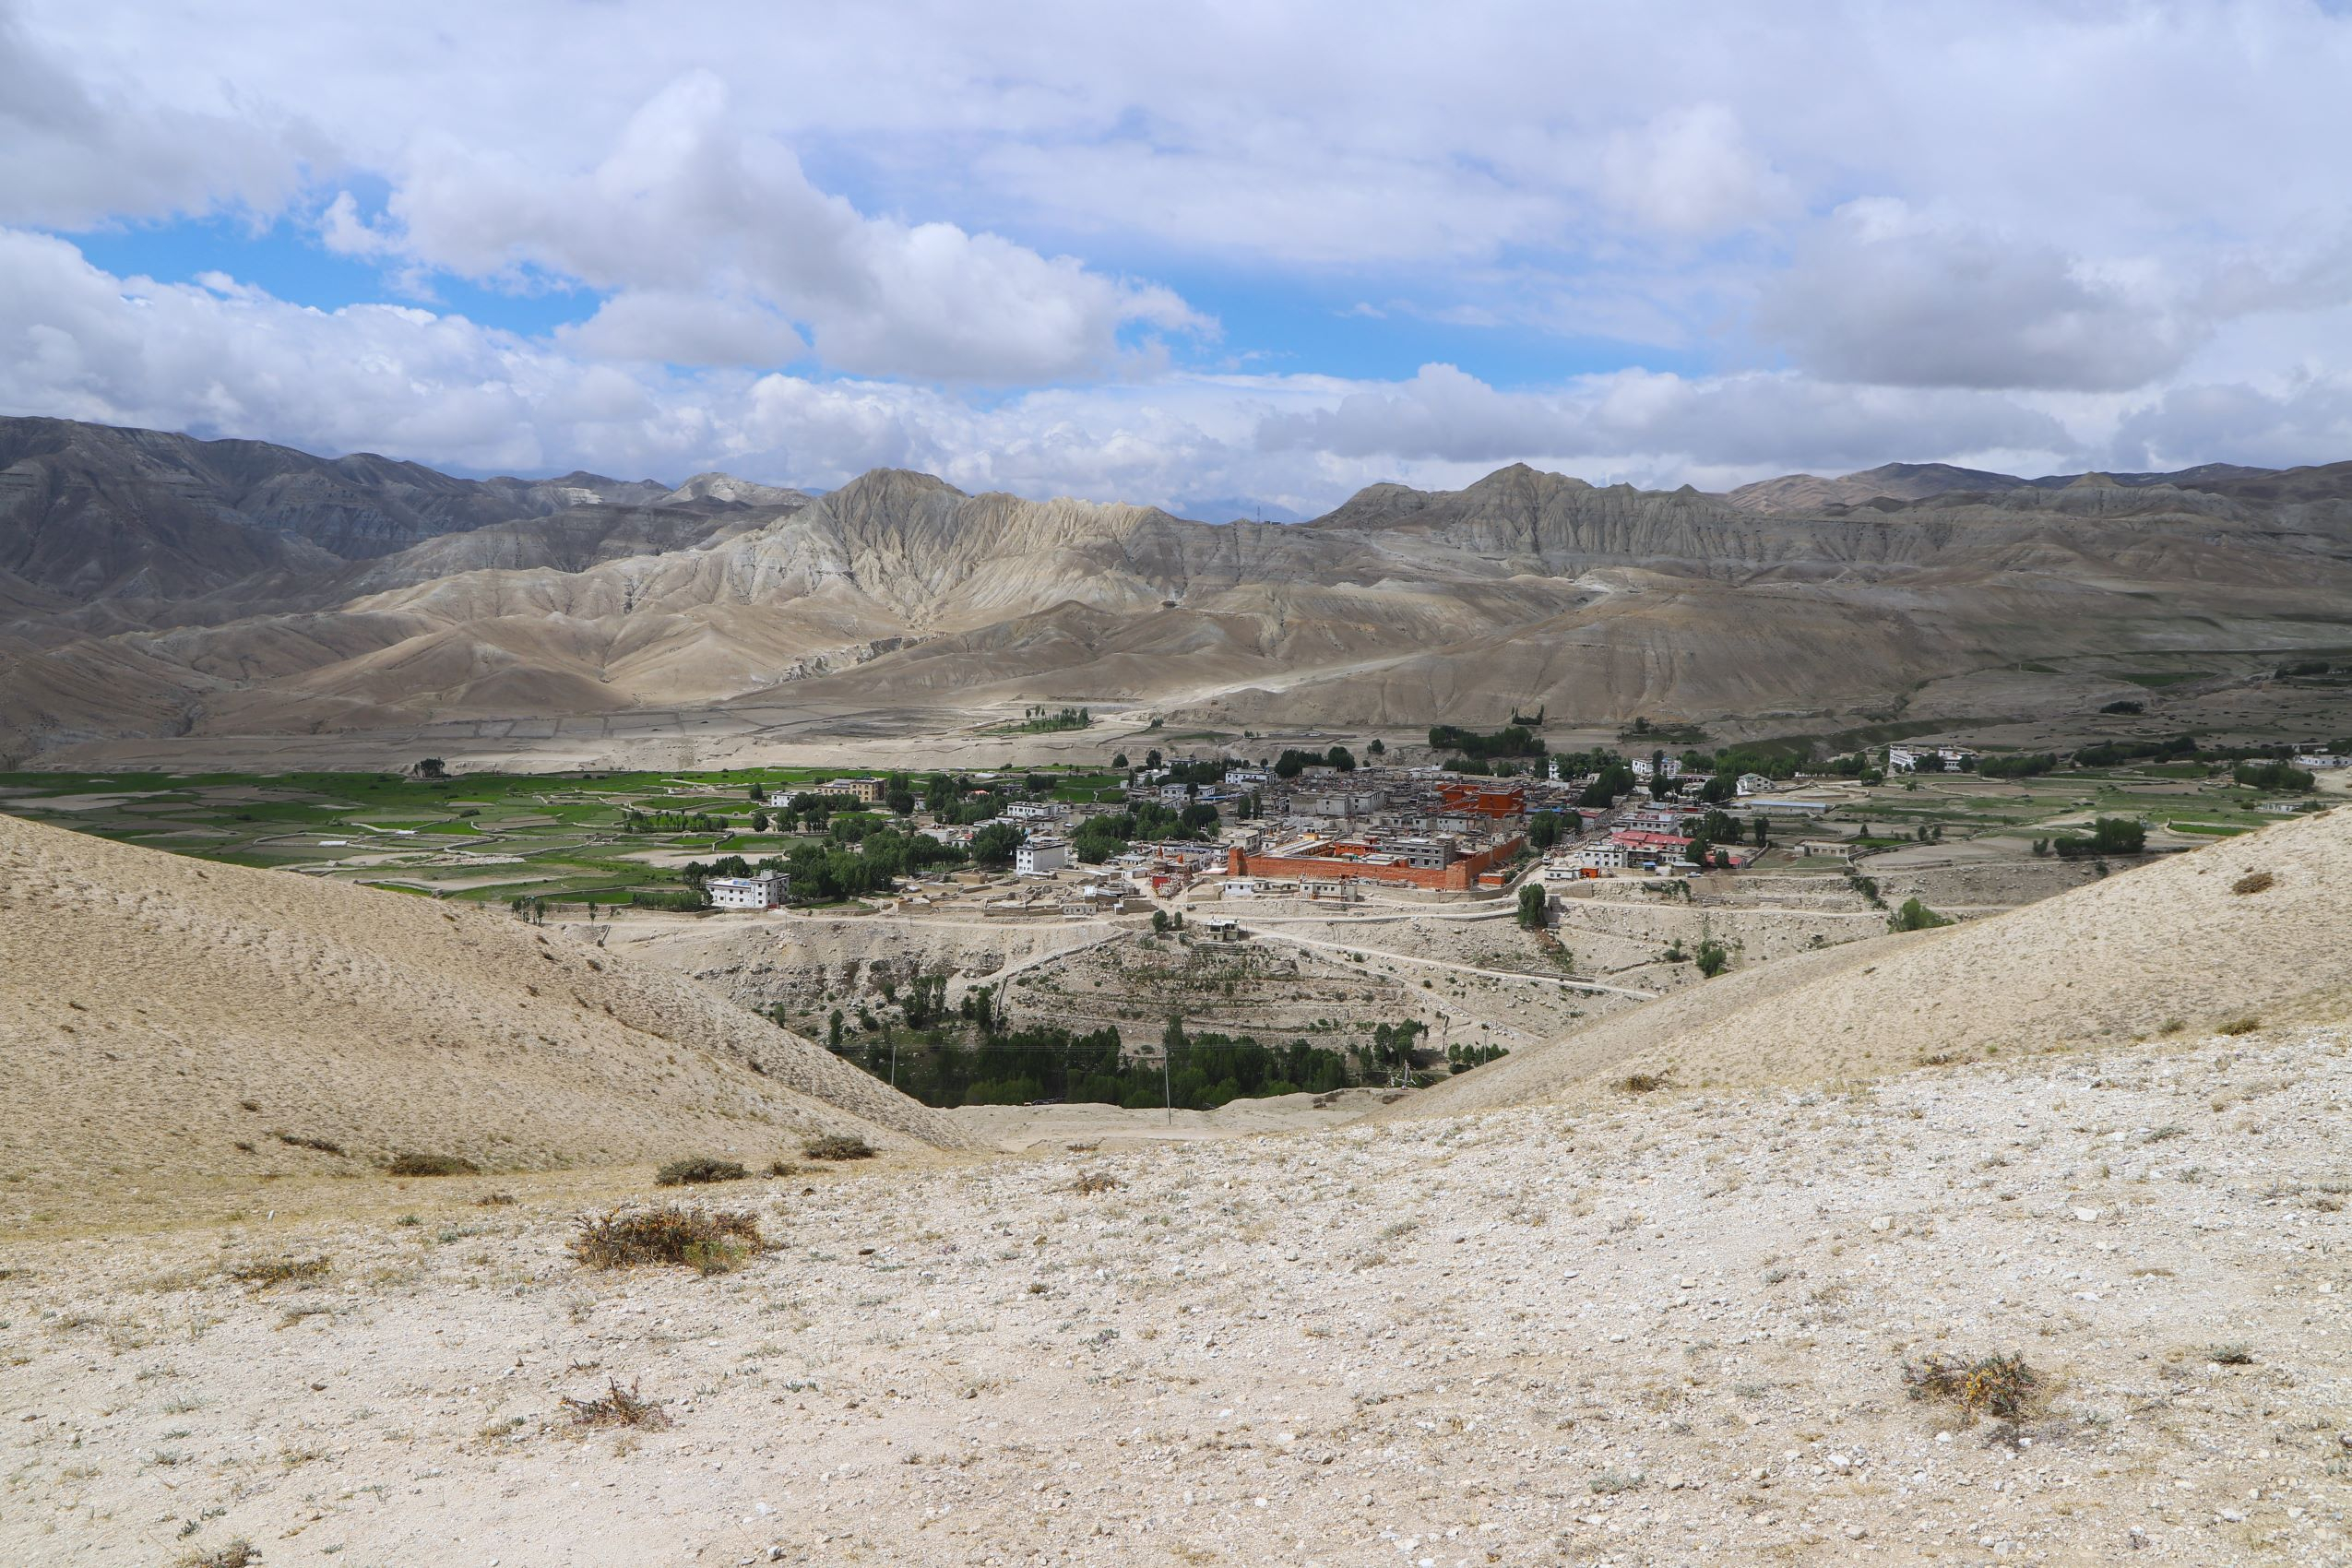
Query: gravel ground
1669,1330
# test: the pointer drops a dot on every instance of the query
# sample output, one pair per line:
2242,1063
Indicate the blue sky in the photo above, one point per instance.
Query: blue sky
1205,257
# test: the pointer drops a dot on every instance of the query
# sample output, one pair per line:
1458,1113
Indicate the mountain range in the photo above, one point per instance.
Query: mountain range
156,585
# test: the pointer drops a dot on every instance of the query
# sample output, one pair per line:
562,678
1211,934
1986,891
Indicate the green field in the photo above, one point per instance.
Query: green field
485,836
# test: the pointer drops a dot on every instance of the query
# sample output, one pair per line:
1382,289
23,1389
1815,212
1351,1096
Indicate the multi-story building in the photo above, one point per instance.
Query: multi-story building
1041,855
760,890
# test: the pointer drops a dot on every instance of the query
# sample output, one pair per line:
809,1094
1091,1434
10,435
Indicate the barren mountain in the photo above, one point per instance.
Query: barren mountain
1891,481
1401,607
163,1019
94,510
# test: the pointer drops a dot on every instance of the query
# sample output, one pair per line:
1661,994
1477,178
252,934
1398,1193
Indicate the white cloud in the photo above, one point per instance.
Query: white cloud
1885,294
71,156
684,204
1861,232
1691,171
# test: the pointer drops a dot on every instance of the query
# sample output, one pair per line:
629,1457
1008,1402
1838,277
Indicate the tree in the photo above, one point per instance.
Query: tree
1916,916
1761,828
1290,764
992,846
1378,747
1532,903
1543,830
1120,761
1341,759
1160,922
430,767
833,1030
1713,957
759,822
751,791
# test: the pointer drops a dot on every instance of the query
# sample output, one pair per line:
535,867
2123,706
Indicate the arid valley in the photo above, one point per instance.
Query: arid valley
1307,787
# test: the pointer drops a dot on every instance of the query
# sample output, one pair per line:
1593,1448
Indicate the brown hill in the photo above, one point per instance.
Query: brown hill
163,1019
1399,608
2195,943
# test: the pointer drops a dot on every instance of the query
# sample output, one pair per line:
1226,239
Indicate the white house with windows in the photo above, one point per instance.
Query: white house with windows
760,890
1907,759
1041,855
1752,784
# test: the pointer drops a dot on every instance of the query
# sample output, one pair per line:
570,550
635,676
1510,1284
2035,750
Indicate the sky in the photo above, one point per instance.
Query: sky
1230,259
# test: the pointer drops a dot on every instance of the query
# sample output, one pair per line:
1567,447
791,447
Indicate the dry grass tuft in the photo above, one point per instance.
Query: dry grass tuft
1094,1182
2244,1026
713,1244
616,1406
2254,882
698,1170
266,1272
2236,1353
1642,1083
430,1165
495,1200
838,1145
2000,1384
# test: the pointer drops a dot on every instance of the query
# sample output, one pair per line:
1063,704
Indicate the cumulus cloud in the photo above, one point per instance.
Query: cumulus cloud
2235,423
1661,422
1884,293
686,205
1691,171
71,157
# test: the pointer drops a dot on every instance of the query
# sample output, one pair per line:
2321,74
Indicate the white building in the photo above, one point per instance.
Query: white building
1042,855
1606,855
1644,766
760,890
1752,784
1906,759
1036,811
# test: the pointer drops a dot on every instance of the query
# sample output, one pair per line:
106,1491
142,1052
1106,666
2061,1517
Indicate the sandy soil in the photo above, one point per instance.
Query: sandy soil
1082,1128
167,1024
1665,1331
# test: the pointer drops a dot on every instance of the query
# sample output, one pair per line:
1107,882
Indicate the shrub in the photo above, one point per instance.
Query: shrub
1642,1083
2244,1026
1713,958
1094,1182
714,1243
238,1554
782,1168
2000,1384
2236,1353
430,1165
1610,1482
616,1406
2254,882
698,1170
1916,916
295,1140
277,1271
838,1145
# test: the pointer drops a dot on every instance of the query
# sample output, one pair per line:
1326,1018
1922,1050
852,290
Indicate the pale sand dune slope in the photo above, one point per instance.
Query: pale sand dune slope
2115,959
144,998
